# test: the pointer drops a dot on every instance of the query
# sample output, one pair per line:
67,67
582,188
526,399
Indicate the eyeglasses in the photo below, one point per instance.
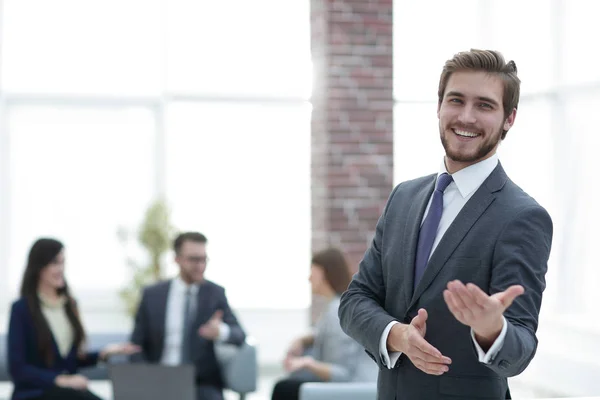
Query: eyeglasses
196,260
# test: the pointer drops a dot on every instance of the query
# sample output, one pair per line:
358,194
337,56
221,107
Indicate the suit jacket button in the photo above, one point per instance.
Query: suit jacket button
399,362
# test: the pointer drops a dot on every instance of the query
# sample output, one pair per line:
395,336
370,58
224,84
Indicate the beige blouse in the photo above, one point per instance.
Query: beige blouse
56,316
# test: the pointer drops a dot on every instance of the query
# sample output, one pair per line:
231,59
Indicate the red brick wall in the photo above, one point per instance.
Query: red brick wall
352,121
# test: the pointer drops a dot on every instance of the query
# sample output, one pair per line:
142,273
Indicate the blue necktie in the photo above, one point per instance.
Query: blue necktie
430,226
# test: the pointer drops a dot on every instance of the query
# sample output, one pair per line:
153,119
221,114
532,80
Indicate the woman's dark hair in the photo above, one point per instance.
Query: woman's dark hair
44,252
337,272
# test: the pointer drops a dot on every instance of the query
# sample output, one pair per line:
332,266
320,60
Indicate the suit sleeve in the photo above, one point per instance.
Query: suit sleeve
140,330
89,359
521,258
20,370
361,312
236,333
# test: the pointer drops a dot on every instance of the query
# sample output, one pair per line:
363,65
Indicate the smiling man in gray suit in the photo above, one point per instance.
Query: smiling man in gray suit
447,297
179,320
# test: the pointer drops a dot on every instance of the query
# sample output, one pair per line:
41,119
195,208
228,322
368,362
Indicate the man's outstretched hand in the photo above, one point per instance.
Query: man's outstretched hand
409,339
483,313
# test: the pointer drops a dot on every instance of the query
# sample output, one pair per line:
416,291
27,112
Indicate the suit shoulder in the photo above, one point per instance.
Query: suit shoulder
410,187
415,183
156,286
519,200
210,285
20,304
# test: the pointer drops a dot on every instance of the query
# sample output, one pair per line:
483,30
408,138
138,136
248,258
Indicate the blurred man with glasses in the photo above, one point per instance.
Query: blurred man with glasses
179,320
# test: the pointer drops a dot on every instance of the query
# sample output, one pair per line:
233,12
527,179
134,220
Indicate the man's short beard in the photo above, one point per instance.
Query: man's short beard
480,154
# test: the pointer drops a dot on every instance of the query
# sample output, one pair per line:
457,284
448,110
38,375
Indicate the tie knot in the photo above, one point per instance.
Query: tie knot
443,181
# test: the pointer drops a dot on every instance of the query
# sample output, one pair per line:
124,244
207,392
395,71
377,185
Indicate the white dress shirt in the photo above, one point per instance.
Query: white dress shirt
464,184
174,320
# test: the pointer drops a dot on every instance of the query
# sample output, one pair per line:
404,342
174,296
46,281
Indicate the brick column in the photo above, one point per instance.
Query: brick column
352,122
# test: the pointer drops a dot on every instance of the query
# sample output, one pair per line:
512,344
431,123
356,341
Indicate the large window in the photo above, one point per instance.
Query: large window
109,47
106,105
78,174
240,172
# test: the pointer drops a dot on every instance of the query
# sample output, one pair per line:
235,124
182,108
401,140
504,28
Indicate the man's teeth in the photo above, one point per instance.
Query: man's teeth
465,133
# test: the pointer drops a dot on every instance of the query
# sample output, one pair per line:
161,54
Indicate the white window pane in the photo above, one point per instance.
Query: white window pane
418,150
240,174
261,48
527,151
523,31
581,61
78,174
528,155
72,46
424,39
584,119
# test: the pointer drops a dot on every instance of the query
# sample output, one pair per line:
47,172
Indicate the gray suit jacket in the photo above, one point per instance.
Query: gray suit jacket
500,238
149,329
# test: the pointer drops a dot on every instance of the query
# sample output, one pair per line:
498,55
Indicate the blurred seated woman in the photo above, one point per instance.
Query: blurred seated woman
334,356
46,340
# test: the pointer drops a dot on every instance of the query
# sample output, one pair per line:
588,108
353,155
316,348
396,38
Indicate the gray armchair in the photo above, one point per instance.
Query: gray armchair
239,366
338,391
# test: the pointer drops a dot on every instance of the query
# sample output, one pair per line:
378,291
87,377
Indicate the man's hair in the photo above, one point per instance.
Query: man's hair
187,236
489,61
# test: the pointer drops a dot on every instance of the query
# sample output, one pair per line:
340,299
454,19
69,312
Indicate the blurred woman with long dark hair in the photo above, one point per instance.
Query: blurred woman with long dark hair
46,339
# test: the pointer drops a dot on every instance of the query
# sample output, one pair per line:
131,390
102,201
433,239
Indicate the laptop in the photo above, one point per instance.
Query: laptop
136,381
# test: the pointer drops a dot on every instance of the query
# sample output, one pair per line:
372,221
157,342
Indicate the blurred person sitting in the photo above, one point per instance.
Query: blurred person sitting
179,320
327,354
46,339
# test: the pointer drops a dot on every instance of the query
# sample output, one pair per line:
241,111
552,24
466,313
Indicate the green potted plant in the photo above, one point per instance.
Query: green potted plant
154,235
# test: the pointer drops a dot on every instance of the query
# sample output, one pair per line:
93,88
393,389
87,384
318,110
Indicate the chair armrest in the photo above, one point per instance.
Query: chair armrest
239,365
338,391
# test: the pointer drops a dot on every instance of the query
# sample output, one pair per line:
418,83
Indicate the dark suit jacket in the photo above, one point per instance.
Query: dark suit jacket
149,330
500,238
30,375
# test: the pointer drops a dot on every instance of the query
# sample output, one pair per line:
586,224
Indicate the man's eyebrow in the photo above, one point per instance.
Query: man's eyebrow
481,98
455,94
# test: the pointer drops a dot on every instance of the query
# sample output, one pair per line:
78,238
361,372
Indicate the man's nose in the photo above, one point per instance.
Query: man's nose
467,115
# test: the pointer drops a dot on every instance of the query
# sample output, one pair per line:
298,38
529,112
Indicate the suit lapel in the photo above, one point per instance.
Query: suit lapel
411,234
202,300
200,317
470,213
160,308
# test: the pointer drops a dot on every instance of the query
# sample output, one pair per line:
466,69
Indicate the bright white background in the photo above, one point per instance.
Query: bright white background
105,105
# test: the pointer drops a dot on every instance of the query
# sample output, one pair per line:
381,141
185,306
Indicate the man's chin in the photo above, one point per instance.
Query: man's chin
461,157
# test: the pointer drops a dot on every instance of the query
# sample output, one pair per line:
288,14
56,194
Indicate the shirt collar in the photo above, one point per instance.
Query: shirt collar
182,287
470,178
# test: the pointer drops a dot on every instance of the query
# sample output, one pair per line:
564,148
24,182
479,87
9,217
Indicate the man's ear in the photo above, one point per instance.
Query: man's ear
510,120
